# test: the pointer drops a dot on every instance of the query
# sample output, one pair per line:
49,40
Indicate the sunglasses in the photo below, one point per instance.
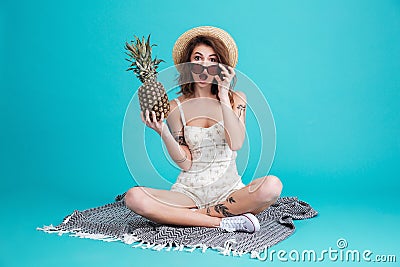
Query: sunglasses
212,69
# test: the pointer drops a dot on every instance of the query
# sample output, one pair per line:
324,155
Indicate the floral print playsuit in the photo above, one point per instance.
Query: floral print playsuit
213,175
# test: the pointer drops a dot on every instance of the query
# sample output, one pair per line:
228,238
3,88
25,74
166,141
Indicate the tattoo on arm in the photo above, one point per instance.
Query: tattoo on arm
222,209
241,108
208,211
180,138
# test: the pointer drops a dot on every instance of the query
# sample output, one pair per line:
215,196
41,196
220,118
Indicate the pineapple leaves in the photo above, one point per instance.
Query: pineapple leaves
139,55
157,61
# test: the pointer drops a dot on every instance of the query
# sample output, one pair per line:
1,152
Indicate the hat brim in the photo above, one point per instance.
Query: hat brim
183,41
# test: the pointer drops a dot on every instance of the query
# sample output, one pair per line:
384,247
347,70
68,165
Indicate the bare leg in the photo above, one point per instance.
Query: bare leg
254,198
167,207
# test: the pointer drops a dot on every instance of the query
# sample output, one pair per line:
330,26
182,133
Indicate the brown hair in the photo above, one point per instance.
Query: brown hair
185,79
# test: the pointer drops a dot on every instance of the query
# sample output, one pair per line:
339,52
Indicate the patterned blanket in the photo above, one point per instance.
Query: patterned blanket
115,222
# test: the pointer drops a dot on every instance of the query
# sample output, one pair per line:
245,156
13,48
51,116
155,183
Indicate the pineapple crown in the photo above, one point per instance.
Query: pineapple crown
139,52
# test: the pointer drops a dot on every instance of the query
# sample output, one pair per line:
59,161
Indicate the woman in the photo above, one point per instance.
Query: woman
206,127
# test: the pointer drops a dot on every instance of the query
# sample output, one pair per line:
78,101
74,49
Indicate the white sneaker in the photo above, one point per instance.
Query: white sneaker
242,223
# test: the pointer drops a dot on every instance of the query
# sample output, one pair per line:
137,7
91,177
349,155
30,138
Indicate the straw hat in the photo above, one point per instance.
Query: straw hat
186,37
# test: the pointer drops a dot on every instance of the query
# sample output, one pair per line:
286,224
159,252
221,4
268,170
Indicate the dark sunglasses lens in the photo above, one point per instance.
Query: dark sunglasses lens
197,68
213,70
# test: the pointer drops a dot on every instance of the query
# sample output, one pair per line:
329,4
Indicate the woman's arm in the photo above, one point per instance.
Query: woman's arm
234,120
173,137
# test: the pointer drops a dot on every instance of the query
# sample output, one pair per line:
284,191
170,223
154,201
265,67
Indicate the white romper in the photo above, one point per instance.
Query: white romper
213,175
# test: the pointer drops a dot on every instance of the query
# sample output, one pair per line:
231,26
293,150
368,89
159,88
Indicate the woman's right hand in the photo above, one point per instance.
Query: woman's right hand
157,126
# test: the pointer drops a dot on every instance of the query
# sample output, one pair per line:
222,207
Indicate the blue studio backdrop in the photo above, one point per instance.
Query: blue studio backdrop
328,69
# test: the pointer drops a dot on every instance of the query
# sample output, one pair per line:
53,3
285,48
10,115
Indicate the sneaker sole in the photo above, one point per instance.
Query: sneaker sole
253,220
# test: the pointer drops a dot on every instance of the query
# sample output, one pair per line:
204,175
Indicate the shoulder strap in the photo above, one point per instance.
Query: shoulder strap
181,111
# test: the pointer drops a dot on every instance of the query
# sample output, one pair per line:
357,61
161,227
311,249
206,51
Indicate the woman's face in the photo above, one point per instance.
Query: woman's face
206,56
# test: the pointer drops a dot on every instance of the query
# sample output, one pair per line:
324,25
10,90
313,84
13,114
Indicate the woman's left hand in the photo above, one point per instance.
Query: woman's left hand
223,84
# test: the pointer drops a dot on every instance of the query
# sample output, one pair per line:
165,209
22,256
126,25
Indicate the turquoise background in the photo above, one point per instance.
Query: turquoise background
329,70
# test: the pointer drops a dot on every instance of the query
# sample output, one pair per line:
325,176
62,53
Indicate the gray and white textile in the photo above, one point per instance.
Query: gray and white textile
115,222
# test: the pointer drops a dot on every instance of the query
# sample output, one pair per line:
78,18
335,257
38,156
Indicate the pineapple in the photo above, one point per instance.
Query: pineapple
152,94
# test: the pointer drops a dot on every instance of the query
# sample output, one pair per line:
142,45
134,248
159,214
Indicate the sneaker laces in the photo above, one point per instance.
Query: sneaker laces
235,223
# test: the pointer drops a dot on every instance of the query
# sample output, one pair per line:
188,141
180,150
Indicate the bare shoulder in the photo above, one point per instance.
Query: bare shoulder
174,122
172,104
173,114
239,97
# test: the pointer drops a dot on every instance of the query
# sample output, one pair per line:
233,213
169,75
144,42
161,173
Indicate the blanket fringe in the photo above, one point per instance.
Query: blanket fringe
101,237
257,254
226,250
76,232
129,239
51,230
193,248
169,246
228,247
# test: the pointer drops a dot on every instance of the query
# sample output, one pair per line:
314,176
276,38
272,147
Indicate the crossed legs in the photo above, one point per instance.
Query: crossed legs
253,198
169,207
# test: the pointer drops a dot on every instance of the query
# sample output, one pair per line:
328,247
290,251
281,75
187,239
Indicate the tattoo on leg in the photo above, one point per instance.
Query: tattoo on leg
208,211
222,209
230,200
241,108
